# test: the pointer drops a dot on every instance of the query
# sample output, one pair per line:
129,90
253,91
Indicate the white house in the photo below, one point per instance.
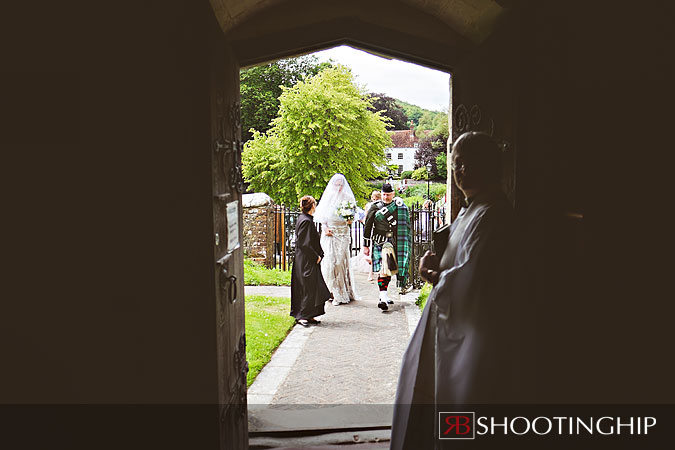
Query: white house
402,153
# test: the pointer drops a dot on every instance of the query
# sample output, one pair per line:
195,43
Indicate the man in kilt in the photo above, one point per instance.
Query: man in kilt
388,221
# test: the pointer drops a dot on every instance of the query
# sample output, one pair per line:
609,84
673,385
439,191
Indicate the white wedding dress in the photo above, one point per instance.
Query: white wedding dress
336,263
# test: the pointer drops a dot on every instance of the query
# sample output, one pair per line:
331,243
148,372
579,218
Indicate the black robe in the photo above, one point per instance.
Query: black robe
308,289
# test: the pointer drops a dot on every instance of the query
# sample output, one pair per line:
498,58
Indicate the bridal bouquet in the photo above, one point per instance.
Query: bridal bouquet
346,210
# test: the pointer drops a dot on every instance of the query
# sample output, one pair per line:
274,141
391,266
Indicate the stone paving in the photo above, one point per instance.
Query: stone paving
352,358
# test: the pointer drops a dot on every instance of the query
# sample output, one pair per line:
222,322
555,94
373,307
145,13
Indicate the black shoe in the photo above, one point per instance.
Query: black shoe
391,302
314,321
383,306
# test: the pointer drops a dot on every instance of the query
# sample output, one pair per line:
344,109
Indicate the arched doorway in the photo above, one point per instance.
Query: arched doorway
260,32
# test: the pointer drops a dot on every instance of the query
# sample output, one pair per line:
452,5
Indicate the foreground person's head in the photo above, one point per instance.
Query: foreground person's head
476,163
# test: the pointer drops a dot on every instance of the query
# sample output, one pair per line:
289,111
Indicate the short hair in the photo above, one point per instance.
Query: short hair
480,151
306,203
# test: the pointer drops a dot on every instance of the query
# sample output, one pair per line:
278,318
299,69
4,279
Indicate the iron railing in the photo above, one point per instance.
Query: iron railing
423,222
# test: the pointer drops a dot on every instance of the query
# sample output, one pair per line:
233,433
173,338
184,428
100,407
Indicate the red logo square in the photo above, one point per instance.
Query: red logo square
457,425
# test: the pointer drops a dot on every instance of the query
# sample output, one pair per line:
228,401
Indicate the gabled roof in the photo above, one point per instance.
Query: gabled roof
404,138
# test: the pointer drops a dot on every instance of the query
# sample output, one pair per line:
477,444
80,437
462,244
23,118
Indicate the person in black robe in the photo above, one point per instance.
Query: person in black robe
308,288
464,350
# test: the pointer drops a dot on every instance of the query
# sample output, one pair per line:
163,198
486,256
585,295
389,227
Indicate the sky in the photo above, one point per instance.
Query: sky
426,88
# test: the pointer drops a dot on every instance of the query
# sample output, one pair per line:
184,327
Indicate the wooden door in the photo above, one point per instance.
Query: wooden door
484,98
227,182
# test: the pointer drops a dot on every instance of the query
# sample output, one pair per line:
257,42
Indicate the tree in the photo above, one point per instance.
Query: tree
430,147
391,109
442,165
261,87
324,127
413,112
435,121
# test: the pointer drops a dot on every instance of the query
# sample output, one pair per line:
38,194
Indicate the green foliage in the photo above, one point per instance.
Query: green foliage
406,174
435,121
409,201
267,323
442,165
324,127
256,274
260,89
425,119
430,147
420,174
391,109
413,112
436,190
424,296
373,186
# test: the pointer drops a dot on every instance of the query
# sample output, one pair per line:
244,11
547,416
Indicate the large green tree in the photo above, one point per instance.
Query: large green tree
325,126
261,87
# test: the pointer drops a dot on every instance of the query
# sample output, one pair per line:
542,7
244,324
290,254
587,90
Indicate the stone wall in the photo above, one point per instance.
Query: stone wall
258,212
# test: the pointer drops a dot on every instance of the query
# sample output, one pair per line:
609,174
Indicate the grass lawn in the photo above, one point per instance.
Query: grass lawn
267,324
258,275
424,295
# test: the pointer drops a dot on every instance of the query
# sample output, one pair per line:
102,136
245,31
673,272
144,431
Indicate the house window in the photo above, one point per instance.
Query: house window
400,169
400,156
388,155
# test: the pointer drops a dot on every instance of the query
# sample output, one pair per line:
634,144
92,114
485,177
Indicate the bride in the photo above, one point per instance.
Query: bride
335,240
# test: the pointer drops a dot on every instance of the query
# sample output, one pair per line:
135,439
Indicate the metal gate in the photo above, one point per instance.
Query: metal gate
423,222
285,219
284,237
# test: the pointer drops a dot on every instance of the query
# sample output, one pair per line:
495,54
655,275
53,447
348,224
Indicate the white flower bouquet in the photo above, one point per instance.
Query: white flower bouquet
346,210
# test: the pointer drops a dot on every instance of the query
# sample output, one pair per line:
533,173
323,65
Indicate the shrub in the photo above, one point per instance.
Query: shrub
424,295
374,186
415,199
436,190
406,174
420,174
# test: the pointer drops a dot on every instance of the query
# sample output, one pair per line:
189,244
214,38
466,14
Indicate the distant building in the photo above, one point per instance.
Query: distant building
402,152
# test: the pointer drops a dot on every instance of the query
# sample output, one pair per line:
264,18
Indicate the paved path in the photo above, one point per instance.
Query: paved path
352,358
270,291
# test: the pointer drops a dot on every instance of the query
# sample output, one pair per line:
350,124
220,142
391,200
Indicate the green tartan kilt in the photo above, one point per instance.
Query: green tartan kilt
376,254
377,257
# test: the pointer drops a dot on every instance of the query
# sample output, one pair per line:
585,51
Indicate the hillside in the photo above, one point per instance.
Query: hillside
425,119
